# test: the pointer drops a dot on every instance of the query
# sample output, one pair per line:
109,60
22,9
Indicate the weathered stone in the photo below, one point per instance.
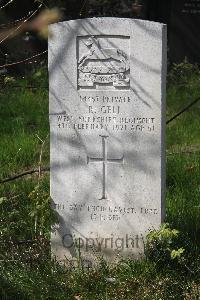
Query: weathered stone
107,106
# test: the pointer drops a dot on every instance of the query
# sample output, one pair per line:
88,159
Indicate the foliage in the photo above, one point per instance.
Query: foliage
183,73
161,244
171,248
25,225
171,269
41,203
131,280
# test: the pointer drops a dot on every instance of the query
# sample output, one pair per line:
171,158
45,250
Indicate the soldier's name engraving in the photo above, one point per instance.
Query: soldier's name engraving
105,109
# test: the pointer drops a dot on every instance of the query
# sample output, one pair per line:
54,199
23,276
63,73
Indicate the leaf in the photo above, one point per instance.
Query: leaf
32,213
78,297
177,253
3,199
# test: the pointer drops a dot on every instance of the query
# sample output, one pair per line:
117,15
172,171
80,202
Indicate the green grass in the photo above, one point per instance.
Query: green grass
183,158
24,118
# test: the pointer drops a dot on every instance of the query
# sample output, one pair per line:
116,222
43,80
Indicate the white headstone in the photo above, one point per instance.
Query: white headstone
107,107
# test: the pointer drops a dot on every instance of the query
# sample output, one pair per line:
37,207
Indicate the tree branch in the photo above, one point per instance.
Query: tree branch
39,23
29,172
183,110
47,169
9,2
23,61
18,29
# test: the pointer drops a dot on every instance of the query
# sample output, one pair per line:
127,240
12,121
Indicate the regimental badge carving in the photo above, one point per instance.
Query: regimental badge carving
103,61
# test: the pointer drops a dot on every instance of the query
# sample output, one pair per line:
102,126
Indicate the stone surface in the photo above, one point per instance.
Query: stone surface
107,107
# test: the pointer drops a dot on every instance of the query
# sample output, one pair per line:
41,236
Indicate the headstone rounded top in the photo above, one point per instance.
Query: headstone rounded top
109,19
107,102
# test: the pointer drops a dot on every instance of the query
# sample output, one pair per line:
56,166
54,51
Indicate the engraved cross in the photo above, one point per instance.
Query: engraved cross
105,160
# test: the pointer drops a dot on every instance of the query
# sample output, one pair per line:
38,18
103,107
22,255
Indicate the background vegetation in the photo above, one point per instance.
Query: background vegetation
171,267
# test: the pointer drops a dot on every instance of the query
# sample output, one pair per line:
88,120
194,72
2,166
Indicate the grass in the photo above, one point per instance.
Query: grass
24,118
24,123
